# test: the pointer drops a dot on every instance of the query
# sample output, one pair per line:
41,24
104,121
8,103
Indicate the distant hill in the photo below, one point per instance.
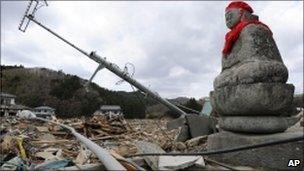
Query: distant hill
179,100
159,110
66,93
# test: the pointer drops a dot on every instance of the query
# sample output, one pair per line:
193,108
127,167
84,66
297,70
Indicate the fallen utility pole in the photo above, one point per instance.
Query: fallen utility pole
103,155
103,63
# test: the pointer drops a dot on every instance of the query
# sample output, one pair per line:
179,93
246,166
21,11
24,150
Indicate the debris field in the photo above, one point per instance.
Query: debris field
32,144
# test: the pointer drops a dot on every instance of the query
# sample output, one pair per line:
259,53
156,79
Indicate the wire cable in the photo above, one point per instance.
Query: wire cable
225,150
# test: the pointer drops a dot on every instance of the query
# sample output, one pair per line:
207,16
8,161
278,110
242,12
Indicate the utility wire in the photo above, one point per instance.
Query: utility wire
225,150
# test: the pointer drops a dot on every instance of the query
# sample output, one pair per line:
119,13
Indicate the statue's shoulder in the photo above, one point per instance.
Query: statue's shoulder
257,42
255,30
254,43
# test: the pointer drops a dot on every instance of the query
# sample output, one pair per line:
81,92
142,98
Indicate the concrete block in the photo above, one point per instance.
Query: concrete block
270,157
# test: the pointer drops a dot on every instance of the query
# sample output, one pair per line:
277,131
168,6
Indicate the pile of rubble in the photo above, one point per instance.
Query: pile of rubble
36,145
32,144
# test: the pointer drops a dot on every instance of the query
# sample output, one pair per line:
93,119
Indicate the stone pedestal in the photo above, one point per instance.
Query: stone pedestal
256,125
258,99
269,157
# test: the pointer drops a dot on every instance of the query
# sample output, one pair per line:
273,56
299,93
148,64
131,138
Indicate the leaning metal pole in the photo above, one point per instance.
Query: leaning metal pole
113,68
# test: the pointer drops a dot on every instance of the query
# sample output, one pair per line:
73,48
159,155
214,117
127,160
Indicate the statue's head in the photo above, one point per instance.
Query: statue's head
235,11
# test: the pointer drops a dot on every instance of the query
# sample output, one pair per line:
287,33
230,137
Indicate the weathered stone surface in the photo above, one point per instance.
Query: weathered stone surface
250,72
192,125
176,123
200,125
270,157
253,99
254,43
147,147
183,134
253,124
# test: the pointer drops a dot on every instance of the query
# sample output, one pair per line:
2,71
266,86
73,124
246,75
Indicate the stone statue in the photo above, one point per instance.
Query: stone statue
251,94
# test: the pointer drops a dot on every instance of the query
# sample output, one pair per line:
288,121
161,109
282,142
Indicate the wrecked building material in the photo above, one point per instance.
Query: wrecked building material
146,147
167,162
110,162
44,141
192,126
123,144
180,162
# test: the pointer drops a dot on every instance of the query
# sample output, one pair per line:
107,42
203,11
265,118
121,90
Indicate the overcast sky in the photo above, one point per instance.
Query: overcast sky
175,46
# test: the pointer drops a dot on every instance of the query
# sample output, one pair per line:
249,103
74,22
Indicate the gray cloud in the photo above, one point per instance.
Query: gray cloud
13,11
21,53
10,11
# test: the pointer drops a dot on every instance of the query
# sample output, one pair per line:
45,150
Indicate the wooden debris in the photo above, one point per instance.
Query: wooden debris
196,141
180,146
53,142
48,137
42,128
83,155
129,165
87,167
111,133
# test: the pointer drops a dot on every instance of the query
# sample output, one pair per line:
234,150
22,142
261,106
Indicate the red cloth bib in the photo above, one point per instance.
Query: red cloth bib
232,36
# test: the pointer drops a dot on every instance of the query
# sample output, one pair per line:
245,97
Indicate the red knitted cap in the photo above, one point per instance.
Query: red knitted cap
241,5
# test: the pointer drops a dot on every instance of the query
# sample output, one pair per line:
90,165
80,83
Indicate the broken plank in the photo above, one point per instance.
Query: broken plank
54,142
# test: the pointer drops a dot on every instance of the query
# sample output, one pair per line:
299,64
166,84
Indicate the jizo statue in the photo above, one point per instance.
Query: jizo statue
253,77
251,96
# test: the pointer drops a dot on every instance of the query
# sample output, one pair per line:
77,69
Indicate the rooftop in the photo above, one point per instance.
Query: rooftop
2,94
44,108
110,107
15,107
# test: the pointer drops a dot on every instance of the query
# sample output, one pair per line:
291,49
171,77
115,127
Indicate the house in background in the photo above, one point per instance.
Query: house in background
8,106
109,110
44,112
7,99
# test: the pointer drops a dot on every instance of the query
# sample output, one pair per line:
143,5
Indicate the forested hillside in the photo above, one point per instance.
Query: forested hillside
67,94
